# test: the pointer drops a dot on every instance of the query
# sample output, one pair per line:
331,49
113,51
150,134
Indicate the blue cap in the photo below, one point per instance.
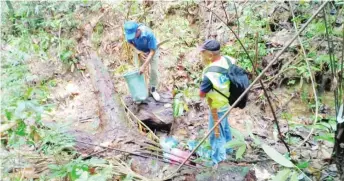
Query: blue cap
130,28
210,45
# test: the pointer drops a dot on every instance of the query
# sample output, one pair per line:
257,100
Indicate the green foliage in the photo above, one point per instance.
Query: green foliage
250,24
316,29
72,169
54,141
179,105
253,21
37,30
294,176
22,102
37,27
235,143
129,8
277,157
182,37
302,165
236,51
78,170
97,35
238,143
327,137
240,152
282,175
184,97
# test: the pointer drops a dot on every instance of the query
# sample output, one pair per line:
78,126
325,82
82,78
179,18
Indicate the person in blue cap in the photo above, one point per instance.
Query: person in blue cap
218,104
144,43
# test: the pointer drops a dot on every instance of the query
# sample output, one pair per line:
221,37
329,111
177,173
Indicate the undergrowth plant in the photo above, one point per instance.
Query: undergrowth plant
37,27
37,31
249,25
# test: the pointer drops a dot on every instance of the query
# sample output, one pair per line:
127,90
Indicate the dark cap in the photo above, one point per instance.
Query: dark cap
210,45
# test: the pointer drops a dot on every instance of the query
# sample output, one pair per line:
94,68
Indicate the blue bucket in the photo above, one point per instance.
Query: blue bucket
136,85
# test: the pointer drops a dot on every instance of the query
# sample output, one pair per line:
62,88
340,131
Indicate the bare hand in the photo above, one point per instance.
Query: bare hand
143,56
142,69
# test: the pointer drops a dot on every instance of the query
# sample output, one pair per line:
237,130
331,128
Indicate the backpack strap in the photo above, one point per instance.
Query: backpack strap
220,70
217,69
229,63
222,94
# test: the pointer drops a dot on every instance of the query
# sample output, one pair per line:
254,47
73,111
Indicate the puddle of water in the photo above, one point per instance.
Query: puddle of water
300,108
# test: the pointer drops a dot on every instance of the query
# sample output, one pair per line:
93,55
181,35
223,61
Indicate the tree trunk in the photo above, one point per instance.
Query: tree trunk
339,143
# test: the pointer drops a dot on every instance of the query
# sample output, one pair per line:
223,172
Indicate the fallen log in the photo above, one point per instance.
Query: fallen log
157,115
111,112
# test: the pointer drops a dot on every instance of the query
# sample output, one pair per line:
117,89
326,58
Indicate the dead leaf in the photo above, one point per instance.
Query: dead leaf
28,173
325,154
97,148
182,132
92,170
36,137
72,67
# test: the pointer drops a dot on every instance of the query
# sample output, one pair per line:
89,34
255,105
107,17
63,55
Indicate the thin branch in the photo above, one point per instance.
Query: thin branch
139,121
330,52
246,91
155,148
130,153
129,8
59,49
237,17
255,64
210,21
224,9
285,66
312,80
93,154
5,127
342,69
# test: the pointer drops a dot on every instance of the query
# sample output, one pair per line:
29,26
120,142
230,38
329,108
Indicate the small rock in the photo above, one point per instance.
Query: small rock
97,148
167,105
305,154
316,165
328,144
314,147
105,144
325,153
333,168
314,154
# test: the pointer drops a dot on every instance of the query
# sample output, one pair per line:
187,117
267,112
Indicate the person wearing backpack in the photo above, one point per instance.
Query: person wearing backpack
220,79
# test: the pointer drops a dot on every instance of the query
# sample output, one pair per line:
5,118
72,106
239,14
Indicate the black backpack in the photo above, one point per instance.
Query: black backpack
238,82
